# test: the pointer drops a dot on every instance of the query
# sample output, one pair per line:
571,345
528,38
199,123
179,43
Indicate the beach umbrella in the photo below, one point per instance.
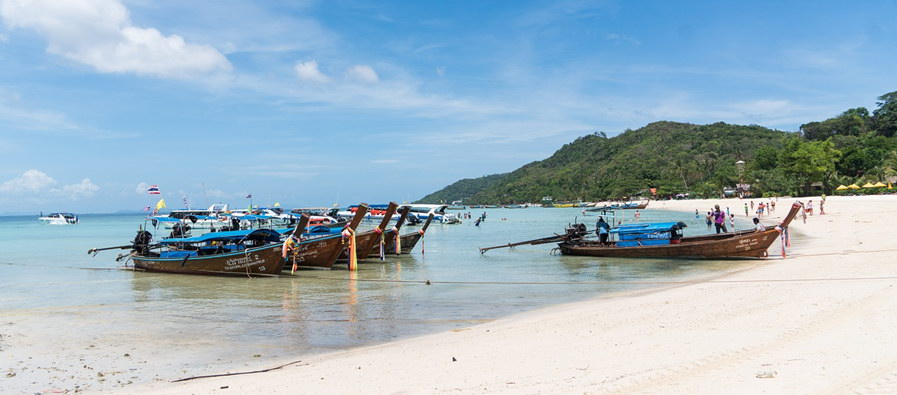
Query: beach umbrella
879,185
868,185
841,188
853,186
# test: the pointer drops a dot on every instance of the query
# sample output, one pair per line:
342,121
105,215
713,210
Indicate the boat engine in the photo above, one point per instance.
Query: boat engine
142,241
575,231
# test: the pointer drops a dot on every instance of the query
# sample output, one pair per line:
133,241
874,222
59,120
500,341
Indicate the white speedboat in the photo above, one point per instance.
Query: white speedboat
211,218
59,219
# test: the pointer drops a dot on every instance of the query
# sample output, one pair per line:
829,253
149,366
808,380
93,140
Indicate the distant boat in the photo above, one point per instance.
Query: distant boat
59,219
456,205
515,206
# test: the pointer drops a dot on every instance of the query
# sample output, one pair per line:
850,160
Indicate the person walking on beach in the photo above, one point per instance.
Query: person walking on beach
810,208
752,204
745,210
822,206
719,219
773,205
803,212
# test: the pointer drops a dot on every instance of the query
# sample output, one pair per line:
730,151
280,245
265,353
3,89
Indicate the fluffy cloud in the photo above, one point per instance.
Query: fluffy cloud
308,71
140,189
364,74
34,182
83,189
31,181
100,34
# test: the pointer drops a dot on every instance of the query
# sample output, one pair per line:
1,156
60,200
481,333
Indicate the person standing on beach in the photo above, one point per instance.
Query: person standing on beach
745,210
803,212
822,206
752,204
773,205
810,208
719,219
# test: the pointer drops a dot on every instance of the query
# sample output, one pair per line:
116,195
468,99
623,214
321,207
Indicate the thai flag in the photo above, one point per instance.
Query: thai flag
153,190
249,196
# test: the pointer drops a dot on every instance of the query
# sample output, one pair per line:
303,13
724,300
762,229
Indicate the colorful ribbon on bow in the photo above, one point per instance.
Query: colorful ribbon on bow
349,233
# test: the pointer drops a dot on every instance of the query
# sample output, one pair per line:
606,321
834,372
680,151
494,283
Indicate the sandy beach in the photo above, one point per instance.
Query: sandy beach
821,320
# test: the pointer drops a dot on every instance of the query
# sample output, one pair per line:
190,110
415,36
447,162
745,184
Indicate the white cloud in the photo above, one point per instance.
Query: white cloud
140,189
100,34
85,188
308,71
364,74
622,38
32,181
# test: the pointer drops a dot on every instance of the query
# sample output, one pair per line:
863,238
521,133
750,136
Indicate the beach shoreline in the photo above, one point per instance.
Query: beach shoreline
818,321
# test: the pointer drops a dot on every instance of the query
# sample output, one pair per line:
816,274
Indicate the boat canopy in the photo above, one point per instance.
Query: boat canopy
648,227
229,236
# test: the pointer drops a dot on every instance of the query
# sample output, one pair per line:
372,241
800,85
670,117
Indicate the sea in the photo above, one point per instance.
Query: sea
73,321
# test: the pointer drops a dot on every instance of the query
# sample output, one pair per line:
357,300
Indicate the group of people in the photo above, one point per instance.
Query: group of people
716,217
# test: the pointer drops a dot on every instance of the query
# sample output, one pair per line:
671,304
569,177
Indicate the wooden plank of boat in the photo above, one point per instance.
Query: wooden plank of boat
261,260
366,240
390,235
723,245
322,253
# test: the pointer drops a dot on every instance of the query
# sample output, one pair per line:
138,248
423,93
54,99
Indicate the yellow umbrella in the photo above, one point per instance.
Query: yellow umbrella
868,185
853,186
879,185
841,188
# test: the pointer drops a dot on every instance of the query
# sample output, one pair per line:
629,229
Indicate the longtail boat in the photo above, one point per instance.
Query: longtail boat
390,234
408,240
241,252
320,251
366,240
665,240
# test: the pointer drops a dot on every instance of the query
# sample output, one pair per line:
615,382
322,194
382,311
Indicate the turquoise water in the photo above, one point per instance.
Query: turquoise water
67,315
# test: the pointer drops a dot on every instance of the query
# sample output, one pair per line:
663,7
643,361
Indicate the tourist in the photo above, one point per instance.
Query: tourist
732,221
773,205
810,208
603,230
637,215
803,212
719,219
752,204
697,215
822,206
709,219
745,210
758,226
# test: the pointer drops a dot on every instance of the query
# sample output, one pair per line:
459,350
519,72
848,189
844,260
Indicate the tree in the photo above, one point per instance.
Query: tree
766,158
885,116
810,161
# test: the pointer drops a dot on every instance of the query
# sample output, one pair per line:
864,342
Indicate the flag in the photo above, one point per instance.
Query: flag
276,204
153,190
161,204
185,202
249,196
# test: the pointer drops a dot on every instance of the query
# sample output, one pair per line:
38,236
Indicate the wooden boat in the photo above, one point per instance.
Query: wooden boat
389,235
624,206
322,251
408,240
366,240
240,253
655,244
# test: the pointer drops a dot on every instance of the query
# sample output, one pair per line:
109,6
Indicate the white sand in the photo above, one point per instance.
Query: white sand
823,320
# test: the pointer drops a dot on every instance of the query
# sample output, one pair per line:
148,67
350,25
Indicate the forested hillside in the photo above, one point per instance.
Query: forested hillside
700,159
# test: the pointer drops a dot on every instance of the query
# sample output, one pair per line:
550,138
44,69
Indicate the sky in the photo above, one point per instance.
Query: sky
311,103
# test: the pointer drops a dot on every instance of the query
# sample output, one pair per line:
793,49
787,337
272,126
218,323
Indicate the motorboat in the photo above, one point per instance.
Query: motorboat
59,219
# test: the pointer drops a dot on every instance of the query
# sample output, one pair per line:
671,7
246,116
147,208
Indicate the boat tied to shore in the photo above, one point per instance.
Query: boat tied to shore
665,240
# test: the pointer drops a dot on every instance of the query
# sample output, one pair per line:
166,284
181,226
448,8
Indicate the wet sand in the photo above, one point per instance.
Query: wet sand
820,321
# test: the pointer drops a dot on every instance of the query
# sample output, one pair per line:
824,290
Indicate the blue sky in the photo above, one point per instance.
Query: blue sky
309,102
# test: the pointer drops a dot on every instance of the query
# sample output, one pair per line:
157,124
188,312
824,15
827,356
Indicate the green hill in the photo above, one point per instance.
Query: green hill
855,146
673,157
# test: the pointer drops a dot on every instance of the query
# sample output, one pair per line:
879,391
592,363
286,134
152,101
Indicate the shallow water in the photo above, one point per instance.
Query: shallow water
70,320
